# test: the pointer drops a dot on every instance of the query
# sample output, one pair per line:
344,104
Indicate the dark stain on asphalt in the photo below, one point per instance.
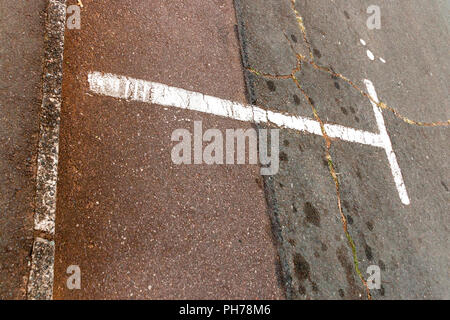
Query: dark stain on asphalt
271,85
349,219
369,225
296,99
354,209
367,248
283,156
352,110
344,111
294,38
315,288
286,143
312,214
382,265
301,290
357,119
358,173
301,266
324,247
368,252
294,208
337,86
341,293
346,14
341,254
317,53
444,185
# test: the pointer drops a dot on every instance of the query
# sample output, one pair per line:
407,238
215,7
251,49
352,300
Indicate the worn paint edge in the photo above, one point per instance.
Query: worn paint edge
127,88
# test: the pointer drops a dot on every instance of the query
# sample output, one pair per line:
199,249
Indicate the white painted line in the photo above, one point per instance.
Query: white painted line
156,93
370,55
382,60
395,168
362,42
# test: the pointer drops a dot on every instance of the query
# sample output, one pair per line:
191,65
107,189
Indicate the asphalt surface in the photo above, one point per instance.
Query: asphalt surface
21,52
409,243
141,227
137,225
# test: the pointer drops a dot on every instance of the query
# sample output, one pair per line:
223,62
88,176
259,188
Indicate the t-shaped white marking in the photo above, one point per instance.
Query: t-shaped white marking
156,93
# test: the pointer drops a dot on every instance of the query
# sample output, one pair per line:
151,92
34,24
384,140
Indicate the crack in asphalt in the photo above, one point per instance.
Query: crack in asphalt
302,59
311,61
299,60
328,156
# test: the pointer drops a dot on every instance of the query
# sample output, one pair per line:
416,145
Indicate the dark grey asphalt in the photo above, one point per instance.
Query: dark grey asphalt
21,53
409,243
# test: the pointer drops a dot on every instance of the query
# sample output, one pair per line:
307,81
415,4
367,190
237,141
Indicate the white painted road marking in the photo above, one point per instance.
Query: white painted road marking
156,93
396,172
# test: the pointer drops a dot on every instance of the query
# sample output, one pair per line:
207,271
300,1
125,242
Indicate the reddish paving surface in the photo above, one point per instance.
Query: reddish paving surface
136,224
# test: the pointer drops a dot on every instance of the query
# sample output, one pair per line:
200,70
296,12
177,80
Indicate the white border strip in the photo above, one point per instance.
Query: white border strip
47,164
40,282
156,93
